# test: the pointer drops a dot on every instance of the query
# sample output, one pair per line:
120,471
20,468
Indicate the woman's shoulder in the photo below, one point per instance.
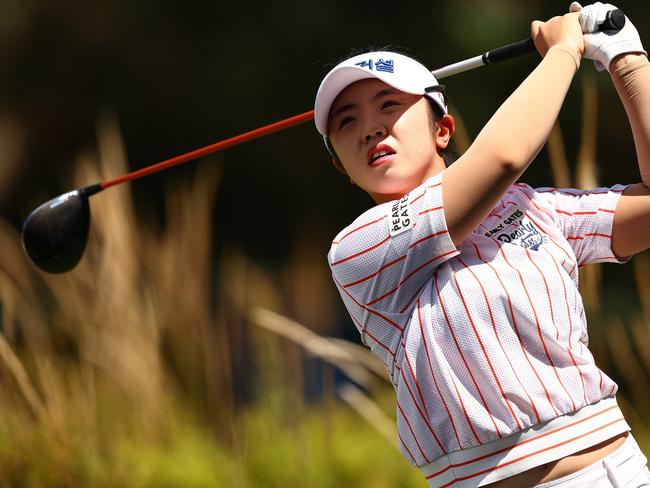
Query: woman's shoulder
366,222
542,192
393,211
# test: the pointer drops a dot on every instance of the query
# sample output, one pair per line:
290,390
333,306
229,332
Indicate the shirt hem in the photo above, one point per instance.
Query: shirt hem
534,446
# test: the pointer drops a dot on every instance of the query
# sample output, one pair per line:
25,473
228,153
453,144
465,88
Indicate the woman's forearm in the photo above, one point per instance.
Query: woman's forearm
631,76
521,126
507,144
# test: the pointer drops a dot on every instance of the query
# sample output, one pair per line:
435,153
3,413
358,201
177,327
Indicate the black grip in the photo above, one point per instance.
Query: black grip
513,50
614,21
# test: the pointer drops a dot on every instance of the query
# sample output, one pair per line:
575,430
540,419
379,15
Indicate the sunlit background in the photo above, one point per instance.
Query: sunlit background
200,342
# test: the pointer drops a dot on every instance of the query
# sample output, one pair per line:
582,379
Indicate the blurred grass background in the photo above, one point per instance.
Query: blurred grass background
190,348
141,368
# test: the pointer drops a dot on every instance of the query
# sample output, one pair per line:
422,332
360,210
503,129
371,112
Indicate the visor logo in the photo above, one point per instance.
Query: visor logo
385,65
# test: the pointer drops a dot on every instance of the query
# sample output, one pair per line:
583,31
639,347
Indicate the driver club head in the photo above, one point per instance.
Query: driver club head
55,234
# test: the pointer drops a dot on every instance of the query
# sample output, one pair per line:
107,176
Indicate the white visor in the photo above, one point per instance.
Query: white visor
396,70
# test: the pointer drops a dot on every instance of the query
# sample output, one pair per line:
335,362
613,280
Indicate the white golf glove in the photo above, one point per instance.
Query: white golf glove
603,47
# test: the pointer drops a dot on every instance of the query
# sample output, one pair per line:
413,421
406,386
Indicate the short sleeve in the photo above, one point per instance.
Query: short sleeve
382,260
586,218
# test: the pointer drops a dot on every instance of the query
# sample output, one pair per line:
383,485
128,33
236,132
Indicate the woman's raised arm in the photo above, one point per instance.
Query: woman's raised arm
622,54
516,132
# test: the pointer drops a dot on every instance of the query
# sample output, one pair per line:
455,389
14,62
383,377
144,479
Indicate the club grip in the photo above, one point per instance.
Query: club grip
614,21
513,50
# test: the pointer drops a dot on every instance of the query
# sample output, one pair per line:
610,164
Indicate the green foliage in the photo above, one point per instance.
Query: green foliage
320,453
338,452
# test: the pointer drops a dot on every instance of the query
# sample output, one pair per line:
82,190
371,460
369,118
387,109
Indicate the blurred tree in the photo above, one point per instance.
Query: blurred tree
180,75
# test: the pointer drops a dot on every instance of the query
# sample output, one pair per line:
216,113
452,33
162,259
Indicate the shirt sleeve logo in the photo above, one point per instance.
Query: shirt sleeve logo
399,216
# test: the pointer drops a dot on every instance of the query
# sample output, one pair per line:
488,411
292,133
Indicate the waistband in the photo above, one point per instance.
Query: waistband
626,466
534,446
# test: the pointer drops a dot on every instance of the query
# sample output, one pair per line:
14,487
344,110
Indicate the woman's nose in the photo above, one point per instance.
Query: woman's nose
373,132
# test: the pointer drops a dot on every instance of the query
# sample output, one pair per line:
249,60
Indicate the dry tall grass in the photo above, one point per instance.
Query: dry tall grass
139,346
117,351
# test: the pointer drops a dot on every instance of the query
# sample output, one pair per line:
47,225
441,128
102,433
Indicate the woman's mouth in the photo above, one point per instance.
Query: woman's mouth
379,154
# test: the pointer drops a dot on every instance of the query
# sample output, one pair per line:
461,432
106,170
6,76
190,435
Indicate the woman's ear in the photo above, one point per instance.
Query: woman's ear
445,128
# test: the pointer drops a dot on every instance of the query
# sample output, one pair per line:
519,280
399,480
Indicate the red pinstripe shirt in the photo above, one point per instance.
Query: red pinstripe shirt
487,339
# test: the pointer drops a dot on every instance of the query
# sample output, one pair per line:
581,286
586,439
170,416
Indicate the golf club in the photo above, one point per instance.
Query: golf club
55,234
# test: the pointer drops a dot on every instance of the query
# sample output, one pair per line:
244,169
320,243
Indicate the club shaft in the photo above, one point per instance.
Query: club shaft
615,20
459,67
212,148
497,55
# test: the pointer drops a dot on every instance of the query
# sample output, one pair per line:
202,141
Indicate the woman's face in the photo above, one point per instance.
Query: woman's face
384,138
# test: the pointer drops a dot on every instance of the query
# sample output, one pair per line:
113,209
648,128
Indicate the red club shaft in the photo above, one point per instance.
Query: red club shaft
212,148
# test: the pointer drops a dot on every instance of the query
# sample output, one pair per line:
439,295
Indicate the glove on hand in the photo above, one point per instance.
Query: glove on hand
603,47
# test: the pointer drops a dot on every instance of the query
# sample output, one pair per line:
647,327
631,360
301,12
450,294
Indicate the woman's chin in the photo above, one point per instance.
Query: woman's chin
385,193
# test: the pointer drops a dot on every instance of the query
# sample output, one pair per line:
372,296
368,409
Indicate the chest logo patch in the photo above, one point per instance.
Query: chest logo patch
518,229
399,216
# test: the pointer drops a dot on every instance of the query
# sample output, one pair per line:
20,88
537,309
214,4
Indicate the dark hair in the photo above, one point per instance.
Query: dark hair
449,153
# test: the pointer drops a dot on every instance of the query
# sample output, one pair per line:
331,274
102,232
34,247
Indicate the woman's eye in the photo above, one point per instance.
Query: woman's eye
345,121
389,103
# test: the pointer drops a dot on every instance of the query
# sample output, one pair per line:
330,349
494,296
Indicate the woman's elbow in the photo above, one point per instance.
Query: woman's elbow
507,157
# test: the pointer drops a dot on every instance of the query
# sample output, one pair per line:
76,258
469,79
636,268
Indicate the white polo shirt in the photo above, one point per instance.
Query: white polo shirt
486,344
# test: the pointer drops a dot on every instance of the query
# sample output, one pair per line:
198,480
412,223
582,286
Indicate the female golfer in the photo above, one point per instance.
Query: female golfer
465,283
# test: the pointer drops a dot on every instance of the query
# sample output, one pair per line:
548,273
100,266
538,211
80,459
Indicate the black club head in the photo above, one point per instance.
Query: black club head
55,234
